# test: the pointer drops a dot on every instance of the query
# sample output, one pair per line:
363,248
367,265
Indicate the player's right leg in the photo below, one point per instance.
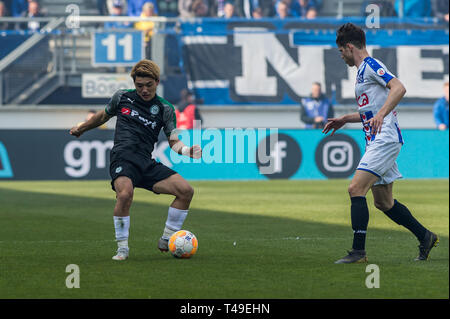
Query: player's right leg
399,213
124,195
174,185
359,186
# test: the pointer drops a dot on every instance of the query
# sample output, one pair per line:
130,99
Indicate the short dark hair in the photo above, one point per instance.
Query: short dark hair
350,33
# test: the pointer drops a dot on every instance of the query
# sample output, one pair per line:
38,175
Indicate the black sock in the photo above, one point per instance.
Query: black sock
401,215
360,219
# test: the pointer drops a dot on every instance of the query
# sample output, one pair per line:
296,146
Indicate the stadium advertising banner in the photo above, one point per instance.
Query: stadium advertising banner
101,85
228,154
275,62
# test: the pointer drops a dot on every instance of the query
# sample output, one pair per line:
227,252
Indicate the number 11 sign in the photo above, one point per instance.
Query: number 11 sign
117,48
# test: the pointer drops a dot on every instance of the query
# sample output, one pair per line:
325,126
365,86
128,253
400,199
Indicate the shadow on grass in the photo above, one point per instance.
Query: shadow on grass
240,255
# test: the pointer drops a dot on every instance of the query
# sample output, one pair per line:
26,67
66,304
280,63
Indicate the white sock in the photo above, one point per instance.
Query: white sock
122,226
174,222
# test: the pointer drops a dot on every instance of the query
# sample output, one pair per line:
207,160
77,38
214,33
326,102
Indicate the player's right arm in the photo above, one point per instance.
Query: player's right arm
99,118
337,122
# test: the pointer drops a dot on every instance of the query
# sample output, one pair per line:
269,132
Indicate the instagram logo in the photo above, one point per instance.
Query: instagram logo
337,156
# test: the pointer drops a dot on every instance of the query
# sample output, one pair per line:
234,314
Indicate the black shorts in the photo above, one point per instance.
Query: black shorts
143,175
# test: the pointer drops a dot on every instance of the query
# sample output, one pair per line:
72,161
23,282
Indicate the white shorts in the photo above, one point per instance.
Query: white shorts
380,160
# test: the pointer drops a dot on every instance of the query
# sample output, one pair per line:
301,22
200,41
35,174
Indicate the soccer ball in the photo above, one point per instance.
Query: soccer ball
183,244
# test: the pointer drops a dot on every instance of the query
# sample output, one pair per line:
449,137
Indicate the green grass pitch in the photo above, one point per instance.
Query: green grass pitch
257,239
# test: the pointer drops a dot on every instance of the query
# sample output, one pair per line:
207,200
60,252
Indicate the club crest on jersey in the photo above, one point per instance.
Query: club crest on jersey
154,109
381,72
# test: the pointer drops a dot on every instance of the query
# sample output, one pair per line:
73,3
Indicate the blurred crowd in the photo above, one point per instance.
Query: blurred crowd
251,9
314,110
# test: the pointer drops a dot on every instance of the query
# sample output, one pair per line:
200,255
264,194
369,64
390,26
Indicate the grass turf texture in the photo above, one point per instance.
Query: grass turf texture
270,239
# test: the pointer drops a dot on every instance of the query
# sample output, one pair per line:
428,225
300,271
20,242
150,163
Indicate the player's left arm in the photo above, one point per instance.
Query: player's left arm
179,147
170,124
396,92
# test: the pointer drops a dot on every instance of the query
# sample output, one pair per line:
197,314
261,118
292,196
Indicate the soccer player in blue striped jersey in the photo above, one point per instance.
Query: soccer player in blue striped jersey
377,93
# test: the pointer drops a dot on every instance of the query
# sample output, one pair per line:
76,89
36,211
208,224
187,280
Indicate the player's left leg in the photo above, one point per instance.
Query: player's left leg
399,213
359,186
174,185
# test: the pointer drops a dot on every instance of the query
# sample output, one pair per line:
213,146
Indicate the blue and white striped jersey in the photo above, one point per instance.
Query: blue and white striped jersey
371,93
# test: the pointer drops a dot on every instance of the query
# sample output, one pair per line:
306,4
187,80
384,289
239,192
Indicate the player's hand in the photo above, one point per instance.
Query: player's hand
333,124
75,131
195,151
375,124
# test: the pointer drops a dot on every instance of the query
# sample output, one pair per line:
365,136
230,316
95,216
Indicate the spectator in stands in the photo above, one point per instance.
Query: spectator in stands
316,109
440,110
245,8
216,8
283,9
267,7
34,11
19,8
229,10
135,7
3,13
148,10
200,8
168,8
386,8
440,9
257,13
193,8
187,111
117,11
110,4
304,9
414,8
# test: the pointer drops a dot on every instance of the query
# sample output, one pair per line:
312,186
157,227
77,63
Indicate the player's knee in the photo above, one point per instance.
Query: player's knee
355,190
383,205
186,192
125,195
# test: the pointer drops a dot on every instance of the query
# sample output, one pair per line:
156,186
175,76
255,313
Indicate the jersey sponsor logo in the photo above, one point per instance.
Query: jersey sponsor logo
143,119
125,111
362,100
133,113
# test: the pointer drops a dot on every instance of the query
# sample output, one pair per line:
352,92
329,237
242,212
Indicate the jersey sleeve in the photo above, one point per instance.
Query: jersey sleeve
379,73
113,105
169,117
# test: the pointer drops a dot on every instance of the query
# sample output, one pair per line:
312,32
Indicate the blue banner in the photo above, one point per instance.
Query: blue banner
272,61
302,154
228,154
